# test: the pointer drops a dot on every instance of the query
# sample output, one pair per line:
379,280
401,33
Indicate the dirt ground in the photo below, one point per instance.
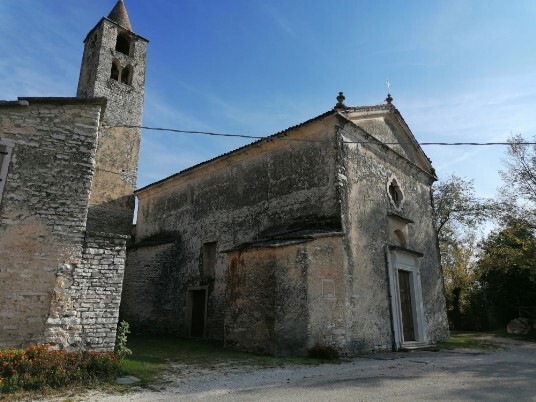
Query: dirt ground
505,373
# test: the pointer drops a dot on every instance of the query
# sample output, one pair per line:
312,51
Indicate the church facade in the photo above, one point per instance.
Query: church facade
68,168
319,234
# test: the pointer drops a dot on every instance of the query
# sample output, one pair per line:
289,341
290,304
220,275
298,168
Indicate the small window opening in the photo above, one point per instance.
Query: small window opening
123,44
209,259
400,238
114,75
395,193
126,75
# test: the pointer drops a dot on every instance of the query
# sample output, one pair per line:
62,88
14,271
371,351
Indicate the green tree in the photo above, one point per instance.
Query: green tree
458,265
457,214
518,195
520,174
456,207
507,270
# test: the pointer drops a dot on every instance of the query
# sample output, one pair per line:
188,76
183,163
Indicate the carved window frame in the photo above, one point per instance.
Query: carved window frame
6,148
397,204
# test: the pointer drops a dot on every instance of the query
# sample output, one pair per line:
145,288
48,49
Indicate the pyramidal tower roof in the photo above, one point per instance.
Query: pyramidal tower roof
119,15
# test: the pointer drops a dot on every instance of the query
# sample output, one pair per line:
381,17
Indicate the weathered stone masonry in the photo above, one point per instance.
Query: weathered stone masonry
311,237
90,316
44,205
112,199
67,203
58,283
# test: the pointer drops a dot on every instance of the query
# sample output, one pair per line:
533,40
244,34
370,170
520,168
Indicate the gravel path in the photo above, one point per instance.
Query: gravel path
504,374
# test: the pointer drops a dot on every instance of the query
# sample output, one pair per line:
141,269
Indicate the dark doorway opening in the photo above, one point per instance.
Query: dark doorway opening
405,305
198,311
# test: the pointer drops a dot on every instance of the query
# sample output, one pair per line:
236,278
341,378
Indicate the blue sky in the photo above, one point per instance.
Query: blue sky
461,70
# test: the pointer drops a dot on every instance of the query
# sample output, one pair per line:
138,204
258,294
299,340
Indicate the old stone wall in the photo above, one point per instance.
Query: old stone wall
285,297
112,198
44,206
267,300
265,189
85,302
369,218
326,292
251,298
125,100
151,289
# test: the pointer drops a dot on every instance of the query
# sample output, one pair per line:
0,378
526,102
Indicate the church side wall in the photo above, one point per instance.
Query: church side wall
365,173
271,187
43,210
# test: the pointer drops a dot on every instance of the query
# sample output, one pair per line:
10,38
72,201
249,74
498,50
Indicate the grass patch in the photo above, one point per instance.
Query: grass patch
152,355
146,368
467,340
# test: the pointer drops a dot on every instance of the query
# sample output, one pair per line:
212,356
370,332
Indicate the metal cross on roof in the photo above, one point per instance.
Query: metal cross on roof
389,98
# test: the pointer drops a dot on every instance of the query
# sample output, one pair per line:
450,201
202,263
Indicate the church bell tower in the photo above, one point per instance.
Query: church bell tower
113,67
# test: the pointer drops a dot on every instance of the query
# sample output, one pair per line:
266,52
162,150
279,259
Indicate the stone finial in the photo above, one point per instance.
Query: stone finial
340,102
389,99
119,15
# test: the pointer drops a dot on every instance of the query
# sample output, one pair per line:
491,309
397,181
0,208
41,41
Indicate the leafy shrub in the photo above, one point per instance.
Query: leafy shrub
123,329
321,351
38,367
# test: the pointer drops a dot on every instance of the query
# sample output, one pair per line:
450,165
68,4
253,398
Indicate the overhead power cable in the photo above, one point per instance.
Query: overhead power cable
254,137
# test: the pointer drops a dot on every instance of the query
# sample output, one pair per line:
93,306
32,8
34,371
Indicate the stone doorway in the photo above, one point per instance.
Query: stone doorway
406,308
197,311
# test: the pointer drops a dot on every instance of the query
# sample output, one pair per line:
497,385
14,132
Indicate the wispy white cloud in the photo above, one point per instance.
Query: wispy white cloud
285,25
490,110
487,111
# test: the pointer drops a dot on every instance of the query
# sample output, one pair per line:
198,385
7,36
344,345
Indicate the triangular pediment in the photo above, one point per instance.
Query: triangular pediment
385,124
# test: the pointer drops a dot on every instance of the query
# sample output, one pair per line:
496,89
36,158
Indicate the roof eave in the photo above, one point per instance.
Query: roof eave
237,150
116,24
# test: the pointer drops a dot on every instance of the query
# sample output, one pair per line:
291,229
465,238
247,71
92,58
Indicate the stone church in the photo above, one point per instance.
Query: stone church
68,169
321,233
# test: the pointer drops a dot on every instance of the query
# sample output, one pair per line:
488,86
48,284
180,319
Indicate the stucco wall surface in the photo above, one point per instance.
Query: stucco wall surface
365,173
285,298
326,292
